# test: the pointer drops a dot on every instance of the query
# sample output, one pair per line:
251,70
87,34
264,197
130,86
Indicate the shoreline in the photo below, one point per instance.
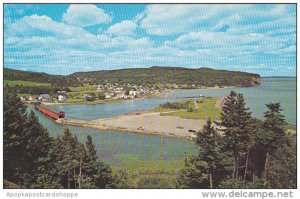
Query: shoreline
163,95
89,103
207,88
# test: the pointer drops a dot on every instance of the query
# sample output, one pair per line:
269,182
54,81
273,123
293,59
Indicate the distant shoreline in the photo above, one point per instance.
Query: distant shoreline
163,95
207,88
279,77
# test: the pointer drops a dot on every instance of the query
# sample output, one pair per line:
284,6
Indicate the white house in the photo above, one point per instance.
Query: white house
61,97
32,97
23,98
132,93
107,96
44,97
193,135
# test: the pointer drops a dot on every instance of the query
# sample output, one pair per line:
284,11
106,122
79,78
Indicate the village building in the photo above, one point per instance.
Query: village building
44,97
193,135
132,93
107,95
61,97
23,98
89,97
32,98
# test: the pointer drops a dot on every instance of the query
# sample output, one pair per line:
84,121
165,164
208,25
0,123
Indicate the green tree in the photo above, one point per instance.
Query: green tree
26,142
283,165
206,169
47,173
237,184
14,154
210,142
236,120
194,175
274,135
100,173
274,126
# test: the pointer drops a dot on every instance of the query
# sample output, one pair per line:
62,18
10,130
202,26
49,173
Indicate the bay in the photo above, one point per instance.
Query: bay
129,150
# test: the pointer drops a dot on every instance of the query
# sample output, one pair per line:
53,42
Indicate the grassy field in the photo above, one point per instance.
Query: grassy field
86,87
24,83
209,108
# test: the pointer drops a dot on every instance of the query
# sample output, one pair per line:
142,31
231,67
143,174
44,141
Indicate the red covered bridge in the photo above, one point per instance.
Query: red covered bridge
50,113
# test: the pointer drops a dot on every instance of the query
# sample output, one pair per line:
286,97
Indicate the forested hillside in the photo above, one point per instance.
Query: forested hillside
172,75
142,76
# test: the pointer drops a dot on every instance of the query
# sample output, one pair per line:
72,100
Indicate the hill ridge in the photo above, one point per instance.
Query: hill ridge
141,76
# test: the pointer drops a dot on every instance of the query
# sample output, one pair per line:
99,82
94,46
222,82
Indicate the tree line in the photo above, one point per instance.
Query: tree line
37,90
248,153
141,76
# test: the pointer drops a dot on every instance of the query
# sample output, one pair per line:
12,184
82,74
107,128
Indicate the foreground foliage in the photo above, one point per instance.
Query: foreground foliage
247,154
236,152
32,159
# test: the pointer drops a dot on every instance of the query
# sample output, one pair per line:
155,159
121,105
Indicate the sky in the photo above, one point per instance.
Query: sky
63,38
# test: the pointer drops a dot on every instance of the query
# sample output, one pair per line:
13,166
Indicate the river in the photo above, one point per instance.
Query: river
129,150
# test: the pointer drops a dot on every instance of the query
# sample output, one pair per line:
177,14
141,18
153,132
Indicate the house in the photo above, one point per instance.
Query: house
193,135
174,86
23,98
107,96
44,97
32,98
89,97
132,93
61,97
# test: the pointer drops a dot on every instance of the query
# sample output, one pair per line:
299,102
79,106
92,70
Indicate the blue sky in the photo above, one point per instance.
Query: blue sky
64,38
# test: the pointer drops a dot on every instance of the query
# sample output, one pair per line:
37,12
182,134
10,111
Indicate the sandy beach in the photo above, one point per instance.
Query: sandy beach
147,123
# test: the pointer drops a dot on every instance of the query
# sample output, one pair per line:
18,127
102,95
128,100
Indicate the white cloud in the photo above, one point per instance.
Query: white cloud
85,15
123,28
43,33
42,26
42,44
176,19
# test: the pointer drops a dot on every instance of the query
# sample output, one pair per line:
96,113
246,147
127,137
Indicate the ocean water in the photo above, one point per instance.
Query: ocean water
271,90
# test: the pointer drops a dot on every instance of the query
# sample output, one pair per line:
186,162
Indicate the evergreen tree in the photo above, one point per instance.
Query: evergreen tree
283,165
26,142
238,184
194,175
274,126
38,144
14,117
236,120
207,168
271,136
34,160
48,172
274,136
65,159
100,172
210,142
